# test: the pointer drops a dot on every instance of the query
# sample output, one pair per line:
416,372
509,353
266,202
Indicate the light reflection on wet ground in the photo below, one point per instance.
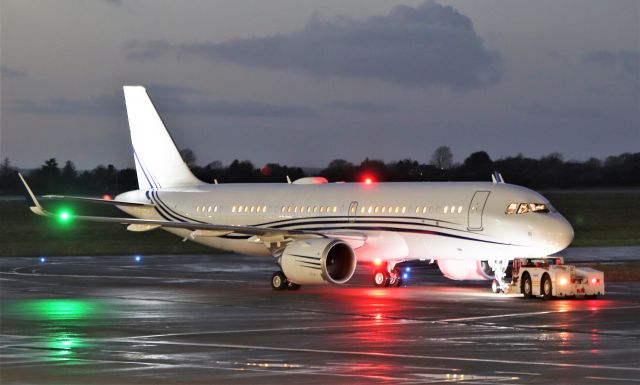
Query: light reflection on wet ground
198,319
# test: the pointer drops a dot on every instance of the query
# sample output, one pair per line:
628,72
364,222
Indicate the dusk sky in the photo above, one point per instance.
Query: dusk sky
305,82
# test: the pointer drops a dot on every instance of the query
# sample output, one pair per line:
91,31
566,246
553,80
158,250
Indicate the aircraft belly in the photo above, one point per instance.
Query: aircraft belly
240,246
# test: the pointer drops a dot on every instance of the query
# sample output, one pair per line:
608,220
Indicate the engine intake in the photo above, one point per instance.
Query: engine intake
318,261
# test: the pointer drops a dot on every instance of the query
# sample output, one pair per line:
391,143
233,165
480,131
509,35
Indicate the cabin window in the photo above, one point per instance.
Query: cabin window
335,209
233,209
322,209
264,209
362,209
446,209
377,209
384,209
404,209
215,209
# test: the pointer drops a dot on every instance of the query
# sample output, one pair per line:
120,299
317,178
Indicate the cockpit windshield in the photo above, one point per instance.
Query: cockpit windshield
523,208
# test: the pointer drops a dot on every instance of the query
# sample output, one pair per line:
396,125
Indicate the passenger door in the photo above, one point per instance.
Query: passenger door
353,210
476,208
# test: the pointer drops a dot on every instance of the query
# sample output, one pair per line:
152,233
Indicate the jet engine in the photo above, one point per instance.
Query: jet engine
458,269
318,261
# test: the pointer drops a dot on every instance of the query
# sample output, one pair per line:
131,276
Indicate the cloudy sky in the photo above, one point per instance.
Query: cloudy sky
305,82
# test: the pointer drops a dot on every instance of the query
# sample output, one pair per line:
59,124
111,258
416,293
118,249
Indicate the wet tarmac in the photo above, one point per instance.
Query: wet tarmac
215,319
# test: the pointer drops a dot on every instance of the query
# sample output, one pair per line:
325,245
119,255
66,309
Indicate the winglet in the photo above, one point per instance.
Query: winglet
33,197
37,209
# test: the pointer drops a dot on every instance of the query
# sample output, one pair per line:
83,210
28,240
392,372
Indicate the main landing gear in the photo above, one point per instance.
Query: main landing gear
387,275
280,282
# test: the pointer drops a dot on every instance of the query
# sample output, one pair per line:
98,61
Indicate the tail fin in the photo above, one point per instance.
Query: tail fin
158,162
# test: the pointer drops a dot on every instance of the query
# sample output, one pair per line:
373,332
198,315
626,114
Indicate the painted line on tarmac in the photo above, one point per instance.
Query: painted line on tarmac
14,272
613,379
387,355
284,329
525,314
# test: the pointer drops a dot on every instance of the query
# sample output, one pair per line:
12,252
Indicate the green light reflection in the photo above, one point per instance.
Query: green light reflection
59,326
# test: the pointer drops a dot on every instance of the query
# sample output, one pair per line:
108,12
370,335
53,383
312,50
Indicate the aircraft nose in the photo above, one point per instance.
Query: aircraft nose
560,233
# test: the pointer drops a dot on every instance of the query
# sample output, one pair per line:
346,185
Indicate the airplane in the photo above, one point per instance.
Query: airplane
316,231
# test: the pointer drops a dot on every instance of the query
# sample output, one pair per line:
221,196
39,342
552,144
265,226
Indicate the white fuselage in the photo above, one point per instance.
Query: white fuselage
401,221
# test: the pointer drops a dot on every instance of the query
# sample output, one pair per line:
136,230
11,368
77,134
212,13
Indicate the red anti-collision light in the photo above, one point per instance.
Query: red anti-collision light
107,197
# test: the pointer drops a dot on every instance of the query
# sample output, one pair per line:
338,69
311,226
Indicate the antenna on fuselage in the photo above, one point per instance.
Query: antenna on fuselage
496,177
288,179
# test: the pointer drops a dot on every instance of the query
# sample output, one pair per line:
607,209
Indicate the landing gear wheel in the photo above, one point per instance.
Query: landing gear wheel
394,278
495,287
397,282
527,287
381,278
279,281
546,287
292,286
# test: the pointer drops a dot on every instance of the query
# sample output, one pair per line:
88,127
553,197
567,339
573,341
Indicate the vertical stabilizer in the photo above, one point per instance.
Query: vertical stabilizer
158,162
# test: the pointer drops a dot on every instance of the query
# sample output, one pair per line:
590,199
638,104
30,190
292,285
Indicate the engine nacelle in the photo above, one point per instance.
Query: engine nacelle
459,269
318,261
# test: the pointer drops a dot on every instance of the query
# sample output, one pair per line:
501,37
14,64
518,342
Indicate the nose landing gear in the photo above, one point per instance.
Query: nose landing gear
499,267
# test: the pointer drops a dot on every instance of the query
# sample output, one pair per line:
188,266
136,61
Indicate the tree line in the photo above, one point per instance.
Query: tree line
547,172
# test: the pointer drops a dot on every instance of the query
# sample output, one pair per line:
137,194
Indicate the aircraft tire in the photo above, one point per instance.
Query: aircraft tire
292,286
279,281
380,278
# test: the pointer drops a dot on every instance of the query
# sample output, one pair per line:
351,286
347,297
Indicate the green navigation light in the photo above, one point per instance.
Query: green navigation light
65,216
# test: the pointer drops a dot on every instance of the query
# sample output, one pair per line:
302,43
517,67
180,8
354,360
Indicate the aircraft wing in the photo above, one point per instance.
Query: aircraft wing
97,200
259,234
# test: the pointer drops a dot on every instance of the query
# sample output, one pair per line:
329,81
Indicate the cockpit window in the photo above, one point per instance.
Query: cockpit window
523,208
539,208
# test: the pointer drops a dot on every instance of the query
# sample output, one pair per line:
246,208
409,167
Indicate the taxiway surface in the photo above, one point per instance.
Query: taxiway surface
215,319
